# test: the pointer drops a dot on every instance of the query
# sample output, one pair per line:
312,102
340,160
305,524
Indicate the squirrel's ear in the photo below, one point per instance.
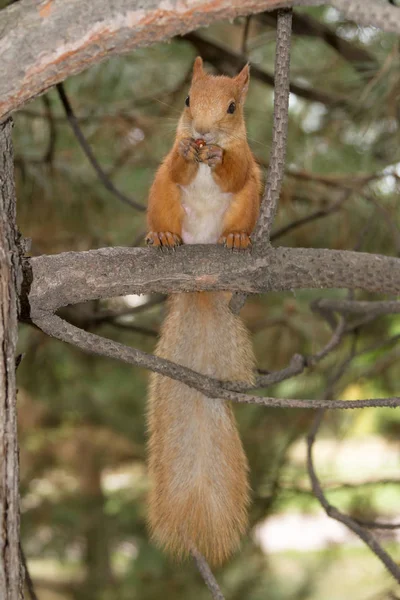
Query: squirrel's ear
198,70
243,80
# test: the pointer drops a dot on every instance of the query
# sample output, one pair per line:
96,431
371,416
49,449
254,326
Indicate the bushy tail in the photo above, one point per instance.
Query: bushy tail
198,470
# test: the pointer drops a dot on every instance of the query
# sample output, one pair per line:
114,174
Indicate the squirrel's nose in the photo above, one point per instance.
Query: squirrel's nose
202,130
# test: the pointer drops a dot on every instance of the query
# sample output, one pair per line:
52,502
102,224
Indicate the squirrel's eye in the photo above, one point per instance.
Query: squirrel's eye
187,101
231,108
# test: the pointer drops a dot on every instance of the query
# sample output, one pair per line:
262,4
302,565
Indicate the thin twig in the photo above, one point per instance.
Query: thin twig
107,315
318,214
102,175
373,308
276,167
207,574
332,344
28,579
336,514
342,485
132,327
378,345
297,365
376,524
49,154
246,30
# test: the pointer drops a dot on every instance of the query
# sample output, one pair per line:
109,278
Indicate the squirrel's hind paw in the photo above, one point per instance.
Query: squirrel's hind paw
164,239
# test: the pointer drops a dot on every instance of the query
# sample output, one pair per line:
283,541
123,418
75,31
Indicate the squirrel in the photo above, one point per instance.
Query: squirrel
206,191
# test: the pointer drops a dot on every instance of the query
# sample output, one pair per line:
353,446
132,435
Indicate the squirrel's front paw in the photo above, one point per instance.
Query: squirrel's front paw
211,155
236,241
189,149
164,239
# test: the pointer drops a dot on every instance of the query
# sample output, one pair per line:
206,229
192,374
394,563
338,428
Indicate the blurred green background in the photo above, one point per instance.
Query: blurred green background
82,418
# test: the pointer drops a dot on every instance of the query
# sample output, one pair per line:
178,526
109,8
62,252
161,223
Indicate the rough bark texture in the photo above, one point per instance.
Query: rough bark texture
10,280
51,282
44,42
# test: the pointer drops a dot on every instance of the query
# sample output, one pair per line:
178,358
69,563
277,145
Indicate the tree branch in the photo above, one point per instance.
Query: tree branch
102,175
11,572
351,307
317,214
53,281
89,342
336,514
276,168
41,44
206,574
33,60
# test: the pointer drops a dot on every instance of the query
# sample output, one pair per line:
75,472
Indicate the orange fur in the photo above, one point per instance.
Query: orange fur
238,173
198,470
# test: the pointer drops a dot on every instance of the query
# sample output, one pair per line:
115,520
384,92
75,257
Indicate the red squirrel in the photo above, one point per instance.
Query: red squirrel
206,191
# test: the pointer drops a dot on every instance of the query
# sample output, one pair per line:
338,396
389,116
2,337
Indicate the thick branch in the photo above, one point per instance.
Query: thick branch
54,281
43,43
33,59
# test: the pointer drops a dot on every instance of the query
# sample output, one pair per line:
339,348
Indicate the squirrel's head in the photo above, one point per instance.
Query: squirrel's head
214,107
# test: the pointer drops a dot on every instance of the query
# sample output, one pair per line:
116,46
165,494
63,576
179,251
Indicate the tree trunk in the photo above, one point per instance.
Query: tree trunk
11,572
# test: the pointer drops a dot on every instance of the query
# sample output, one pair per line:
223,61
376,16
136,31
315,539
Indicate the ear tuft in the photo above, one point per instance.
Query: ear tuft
243,80
198,70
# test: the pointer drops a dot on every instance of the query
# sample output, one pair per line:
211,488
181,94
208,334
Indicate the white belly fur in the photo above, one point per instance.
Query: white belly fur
205,206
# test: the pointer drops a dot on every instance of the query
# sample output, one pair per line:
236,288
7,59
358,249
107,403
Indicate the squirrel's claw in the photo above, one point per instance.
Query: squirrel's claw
163,239
189,149
211,155
236,241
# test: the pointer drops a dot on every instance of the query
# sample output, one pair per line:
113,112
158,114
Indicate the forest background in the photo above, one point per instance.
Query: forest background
82,418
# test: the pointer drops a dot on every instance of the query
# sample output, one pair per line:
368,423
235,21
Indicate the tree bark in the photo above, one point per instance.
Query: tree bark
43,43
11,576
54,281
